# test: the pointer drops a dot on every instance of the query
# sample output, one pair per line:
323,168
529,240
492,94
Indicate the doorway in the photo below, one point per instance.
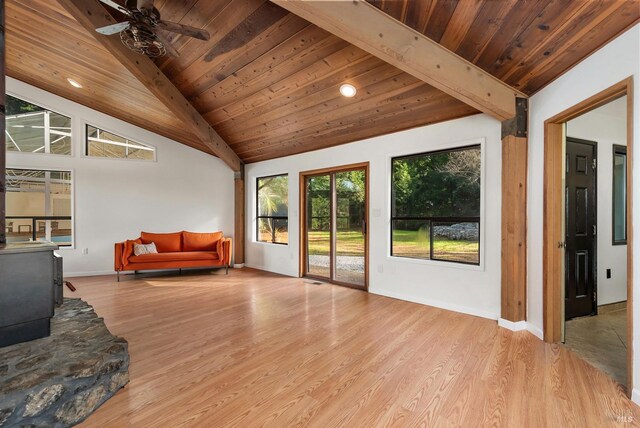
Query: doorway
334,221
580,228
567,290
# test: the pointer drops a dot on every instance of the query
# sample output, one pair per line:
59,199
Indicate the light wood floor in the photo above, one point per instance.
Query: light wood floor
256,349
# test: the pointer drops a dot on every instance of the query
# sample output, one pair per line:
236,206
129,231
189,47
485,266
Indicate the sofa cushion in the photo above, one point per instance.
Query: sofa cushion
165,242
175,257
192,241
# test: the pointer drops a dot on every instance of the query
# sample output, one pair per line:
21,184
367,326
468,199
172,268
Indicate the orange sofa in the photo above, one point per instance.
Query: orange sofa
175,251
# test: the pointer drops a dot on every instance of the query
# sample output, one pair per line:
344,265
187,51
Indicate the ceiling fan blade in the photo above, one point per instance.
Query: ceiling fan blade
145,6
184,29
170,49
113,28
116,6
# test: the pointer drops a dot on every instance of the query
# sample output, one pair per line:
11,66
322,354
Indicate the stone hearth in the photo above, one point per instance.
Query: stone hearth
59,380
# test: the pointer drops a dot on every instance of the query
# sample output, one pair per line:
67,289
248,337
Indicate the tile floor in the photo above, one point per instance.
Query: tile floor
602,341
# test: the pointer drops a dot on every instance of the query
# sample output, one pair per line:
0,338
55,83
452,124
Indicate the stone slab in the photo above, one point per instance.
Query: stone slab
58,381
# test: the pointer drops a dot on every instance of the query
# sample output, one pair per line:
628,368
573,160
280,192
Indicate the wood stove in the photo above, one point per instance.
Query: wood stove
29,273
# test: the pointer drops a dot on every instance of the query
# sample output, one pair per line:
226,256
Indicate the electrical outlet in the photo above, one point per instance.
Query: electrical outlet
608,273
85,251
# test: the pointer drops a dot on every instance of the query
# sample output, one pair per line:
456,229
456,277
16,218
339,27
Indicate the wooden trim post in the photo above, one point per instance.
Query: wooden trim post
514,215
239,227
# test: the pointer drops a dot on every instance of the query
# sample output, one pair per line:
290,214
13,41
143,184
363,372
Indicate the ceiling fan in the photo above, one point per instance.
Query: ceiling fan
139,33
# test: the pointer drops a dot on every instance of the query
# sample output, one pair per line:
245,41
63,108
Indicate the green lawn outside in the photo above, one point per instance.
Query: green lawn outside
407,243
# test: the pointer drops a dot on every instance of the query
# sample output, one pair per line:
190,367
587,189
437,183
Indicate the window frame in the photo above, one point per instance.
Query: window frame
258,216
431,219
45,106
72,171
85,145
619,149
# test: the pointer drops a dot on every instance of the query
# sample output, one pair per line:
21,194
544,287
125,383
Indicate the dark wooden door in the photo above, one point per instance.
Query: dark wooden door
580,239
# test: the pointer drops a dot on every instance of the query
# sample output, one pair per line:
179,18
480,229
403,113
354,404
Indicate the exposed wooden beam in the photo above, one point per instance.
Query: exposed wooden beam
91,15
379,34
238,237
514,229
514,215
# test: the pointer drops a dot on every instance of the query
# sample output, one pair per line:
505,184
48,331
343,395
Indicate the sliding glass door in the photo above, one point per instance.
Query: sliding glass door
335,225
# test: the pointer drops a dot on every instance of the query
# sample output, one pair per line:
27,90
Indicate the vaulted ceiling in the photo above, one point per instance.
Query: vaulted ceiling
267,80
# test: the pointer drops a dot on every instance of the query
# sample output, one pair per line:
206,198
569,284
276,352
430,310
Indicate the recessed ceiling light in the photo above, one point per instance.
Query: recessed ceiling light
348,90
74,83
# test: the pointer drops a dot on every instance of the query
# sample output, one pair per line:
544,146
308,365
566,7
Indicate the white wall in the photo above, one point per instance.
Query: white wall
115,199
469,289
607,125
611,64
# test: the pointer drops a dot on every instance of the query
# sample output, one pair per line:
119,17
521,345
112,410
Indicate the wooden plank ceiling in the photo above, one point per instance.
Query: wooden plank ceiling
268,81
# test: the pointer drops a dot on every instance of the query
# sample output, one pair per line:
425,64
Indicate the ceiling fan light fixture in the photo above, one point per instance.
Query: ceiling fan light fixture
74,83
142,40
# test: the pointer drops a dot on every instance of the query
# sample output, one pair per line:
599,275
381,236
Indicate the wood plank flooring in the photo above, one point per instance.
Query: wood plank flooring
257,349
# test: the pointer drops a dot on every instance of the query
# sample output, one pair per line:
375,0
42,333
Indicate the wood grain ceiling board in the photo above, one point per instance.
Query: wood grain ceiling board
45,46
268,81
525,43
273,87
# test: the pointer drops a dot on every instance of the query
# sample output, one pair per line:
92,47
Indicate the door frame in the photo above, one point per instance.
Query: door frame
594,270
554,210
303,222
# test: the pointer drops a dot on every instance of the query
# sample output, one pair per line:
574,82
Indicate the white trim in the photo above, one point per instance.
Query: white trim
277,244
513,326
635,396
439,263
92,273
535,331
435,303
263,268
238,265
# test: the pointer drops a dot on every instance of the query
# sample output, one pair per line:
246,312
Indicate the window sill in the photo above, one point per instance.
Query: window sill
438,263
149,161
272,244
38,154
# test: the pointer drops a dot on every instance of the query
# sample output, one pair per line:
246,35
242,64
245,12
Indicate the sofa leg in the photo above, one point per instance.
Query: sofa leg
118,275
180,271
226,270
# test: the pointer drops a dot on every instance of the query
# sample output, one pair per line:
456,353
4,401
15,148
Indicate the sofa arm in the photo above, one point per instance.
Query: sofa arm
124,250
226,248
117,259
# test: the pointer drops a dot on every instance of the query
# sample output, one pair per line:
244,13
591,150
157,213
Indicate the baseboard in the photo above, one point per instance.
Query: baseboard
635,396
612,307
260,267
91,273
535,331
513,326
436,303
238,265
